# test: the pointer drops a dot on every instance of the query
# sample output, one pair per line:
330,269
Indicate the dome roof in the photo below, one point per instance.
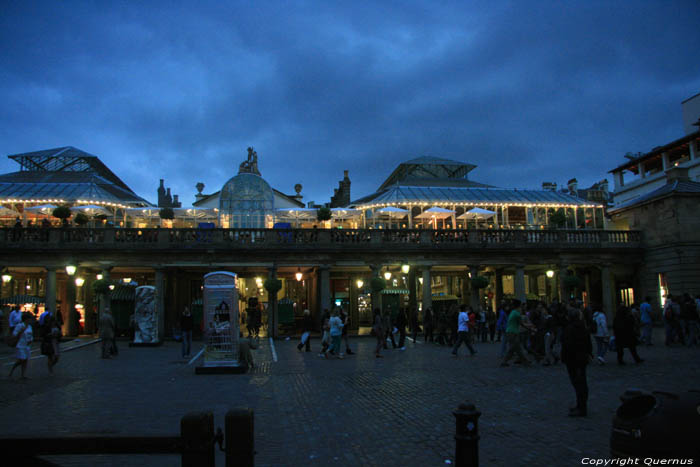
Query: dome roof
246,201
247,187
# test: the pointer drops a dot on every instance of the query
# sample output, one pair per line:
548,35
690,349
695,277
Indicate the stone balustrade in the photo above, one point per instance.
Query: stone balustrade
291,239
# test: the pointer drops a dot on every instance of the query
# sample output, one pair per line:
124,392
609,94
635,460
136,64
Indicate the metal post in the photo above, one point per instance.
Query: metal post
240,438
197,432
467,435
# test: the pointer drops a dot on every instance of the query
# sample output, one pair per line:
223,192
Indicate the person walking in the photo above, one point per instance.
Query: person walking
14,319
428,325
491,323
576,352
413,318
548,337
623,326
186,325
326,328
308,326
49,339
600,332
645,318
336,331
513,335
388,327
463,332
377,328
107,333
345,317
689,319
23,331
501,322
483,326
401,321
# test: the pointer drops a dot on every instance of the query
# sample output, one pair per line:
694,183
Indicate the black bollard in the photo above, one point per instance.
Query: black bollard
467,437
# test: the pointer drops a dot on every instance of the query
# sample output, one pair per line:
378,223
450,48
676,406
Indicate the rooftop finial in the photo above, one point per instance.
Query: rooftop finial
251,164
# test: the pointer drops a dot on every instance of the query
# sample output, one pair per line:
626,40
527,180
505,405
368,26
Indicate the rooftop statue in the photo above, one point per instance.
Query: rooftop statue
251,164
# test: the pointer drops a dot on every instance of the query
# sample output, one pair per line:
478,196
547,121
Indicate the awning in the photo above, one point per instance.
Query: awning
92,210
345,213
395,291
46,209
444,297
21,300
393,212
477,213
296,213
195,213
124,293
5,212
435,212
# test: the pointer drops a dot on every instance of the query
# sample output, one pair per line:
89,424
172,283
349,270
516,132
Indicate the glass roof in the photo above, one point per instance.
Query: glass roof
66,186
469,196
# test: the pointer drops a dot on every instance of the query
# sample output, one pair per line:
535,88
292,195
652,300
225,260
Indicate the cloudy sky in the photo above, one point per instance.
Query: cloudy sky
527,90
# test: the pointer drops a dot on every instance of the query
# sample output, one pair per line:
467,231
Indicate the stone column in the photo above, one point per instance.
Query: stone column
427,291
412,300
71,323
562,290
376,295
607,293
665,161
466,288
693,151
354,311
520,283
104,299
474,292
498,296
325,273
160,301
51,289
272,317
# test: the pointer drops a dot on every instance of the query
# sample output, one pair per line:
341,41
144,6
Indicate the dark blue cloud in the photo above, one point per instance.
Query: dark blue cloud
528,91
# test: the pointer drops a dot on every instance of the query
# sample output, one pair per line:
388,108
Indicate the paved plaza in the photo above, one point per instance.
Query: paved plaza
360,410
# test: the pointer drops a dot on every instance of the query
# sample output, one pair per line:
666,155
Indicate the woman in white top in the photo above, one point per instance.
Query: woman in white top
601,335
23,348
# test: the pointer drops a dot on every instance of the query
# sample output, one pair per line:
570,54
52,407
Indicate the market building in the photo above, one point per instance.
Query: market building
527,244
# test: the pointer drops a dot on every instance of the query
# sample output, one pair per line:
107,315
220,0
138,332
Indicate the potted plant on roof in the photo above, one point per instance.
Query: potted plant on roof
324,215
81,219
557,219
166,214
62,212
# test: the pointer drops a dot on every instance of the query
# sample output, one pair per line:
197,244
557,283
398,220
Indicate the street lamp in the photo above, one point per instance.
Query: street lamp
387,275
298,275
70,269
111,286
79,281
405,268
550,273
360,283
126,280
6,278
100,277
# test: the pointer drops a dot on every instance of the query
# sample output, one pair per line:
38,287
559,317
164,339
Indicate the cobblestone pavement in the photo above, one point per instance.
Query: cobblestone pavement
356,411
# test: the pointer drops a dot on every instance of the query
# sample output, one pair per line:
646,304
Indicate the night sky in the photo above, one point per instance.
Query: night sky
529,91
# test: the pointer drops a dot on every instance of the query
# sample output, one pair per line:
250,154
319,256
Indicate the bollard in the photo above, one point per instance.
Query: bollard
240,438
467,435
197,433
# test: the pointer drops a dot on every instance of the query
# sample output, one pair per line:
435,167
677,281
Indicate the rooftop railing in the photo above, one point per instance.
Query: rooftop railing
108,238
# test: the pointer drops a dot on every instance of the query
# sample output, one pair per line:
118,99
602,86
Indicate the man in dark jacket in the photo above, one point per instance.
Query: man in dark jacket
623,325
576,352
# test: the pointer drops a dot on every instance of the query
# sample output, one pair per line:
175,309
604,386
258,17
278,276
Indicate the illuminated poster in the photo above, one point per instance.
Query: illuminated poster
145,316
220,319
